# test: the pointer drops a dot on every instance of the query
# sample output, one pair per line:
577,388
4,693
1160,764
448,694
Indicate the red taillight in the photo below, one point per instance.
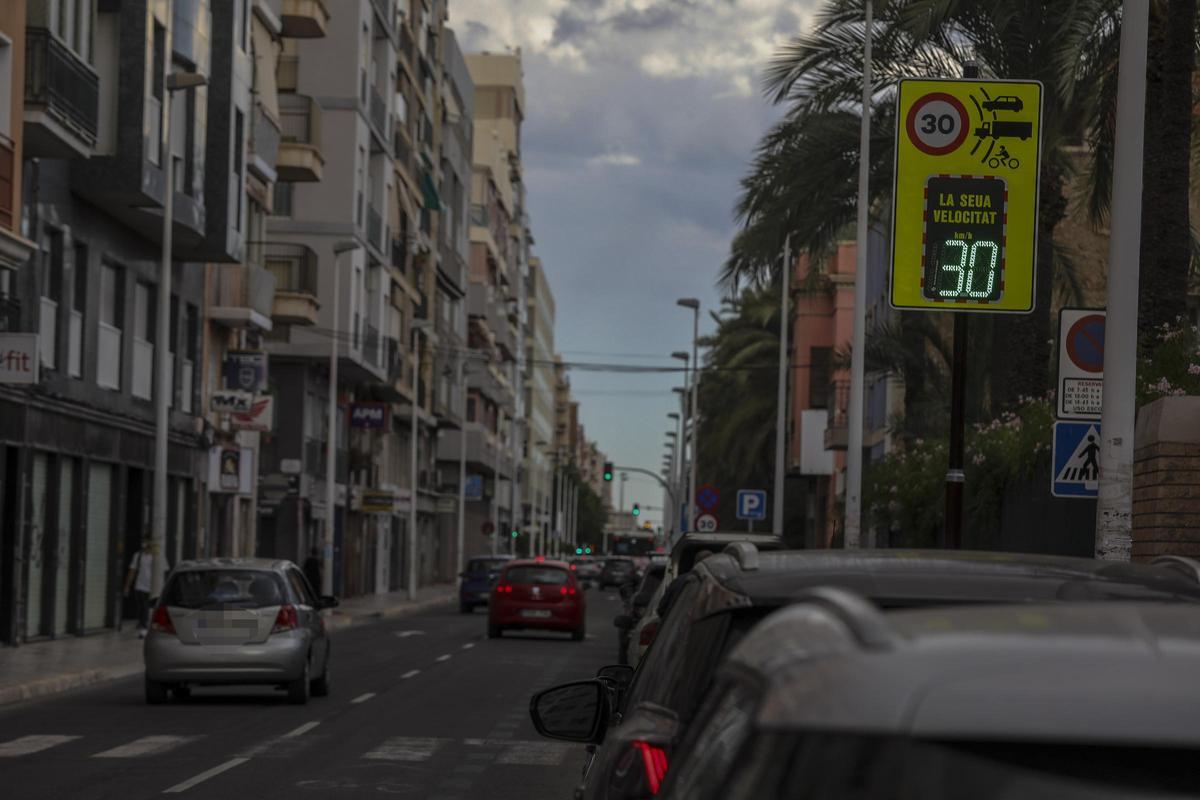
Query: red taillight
161,621
654,760
540,559
648,633
572,568
504,588
287,619
567,590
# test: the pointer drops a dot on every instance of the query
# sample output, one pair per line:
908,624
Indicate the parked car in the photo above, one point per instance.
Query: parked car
834,699
725,596
635,608
477,579
682,558
537,595
226,621
587,569
617,571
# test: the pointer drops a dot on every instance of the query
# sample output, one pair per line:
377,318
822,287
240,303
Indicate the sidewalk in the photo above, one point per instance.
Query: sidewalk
46,668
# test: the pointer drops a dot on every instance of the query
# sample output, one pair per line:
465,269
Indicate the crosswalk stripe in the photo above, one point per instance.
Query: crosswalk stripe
146,746
534,754
407,748
26,745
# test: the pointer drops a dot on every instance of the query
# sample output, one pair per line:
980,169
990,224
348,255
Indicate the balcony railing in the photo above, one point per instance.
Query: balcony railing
300,120
378,113
61,83
374,226
293,265
245,286
406,44
6,183
837,426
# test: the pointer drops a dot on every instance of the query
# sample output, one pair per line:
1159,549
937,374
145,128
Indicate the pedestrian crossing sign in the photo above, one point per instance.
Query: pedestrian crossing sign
1076,460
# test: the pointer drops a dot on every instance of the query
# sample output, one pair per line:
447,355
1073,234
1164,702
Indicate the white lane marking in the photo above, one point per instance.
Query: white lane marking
410,674
468,645
407,748
445,657
146,746
362,698
203,776
610,597
406,634
534,754
303,729
32,744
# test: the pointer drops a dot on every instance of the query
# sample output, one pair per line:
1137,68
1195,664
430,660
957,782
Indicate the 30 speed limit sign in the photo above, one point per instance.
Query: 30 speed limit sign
937,123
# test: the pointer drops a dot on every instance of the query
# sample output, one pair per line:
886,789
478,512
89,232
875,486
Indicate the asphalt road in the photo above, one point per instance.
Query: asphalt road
423,706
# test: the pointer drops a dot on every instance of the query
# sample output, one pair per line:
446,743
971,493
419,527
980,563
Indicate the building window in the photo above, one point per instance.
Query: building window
239,144
108,362
154,109
285,193
6,50
75,326
819,374
143,342
471,410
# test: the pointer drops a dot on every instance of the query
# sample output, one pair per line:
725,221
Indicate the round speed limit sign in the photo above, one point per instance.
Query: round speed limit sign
706,523
937,124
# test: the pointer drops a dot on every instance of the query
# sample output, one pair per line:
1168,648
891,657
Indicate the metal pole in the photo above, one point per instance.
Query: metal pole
1115,507
854,447
412,465
496,494
695,460
331,438
461,535
621,516
162,364
575,512
955,475
514,500
781,391
681,471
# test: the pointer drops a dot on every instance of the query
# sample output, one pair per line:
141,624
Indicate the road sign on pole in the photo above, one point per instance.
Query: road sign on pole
1076,460
708,497
1080,382
751,504
968,154
706,523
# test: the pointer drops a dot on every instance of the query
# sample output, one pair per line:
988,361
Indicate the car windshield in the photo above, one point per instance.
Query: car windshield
224,588
484,565
831,766
539,575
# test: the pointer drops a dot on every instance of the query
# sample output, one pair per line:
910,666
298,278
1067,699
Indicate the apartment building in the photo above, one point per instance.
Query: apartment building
15,249
540,463
93,164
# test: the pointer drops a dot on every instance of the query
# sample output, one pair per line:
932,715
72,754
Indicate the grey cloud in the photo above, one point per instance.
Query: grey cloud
651,19
569,25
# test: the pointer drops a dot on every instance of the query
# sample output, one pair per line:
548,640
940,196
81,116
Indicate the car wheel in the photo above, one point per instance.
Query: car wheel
298,689
494,631
579,634
320,686
156,692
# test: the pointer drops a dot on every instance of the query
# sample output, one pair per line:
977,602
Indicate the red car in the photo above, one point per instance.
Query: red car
538,595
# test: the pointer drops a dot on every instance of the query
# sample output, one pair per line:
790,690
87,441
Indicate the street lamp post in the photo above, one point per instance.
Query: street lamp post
418,328
675,467
461,534
175,82
681,466
694,305
331,438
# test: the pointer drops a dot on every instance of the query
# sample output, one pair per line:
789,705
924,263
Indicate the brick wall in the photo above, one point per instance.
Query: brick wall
1166,479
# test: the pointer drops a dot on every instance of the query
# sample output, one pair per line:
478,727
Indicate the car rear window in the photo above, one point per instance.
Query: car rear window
484,565
543,575
225,588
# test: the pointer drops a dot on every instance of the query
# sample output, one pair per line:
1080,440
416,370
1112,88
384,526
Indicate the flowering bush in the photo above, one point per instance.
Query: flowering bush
1171,365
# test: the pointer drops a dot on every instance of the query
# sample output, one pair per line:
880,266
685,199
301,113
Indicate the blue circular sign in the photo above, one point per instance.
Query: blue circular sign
1085,343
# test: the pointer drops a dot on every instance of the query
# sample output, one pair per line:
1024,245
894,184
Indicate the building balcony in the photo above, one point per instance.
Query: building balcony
244,297
7,168
62,99
287,73
374,227
300,158
484,451
304,19
294,267
837,428
377,109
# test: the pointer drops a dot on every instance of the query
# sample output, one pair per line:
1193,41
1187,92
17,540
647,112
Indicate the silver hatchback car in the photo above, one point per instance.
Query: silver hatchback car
231,621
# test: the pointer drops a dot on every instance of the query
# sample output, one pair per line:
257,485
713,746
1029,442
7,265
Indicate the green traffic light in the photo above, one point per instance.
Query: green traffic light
578,551
637,512
587,550
515,534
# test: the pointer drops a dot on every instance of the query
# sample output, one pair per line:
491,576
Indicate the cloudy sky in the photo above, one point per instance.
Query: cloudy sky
641,116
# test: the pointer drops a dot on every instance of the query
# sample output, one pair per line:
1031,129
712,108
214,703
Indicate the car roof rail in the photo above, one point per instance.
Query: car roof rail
745,553
866,622
1187,566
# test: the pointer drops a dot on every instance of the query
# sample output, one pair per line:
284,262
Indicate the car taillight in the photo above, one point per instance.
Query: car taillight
654,761
568,590
161,621
572,568
504,588
287,619
648,633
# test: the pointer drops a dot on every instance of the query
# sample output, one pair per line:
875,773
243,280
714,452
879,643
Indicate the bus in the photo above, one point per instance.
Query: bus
632,543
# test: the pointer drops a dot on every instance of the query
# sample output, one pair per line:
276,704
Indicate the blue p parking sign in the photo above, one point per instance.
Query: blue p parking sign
751,504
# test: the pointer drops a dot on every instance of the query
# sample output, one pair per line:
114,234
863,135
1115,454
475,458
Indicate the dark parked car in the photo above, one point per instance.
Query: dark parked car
635,606
832,699
726,595
477,579
617,570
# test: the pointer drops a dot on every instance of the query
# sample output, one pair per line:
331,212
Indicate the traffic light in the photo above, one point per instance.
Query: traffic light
587,550
515,534
608,471
637,511
578,551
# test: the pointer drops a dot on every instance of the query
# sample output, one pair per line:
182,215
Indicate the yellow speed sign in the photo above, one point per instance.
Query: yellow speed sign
964,223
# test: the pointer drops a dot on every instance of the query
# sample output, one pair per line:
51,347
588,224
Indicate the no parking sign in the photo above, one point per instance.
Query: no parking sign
1080,385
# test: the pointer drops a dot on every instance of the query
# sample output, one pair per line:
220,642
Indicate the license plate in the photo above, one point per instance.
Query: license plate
535,613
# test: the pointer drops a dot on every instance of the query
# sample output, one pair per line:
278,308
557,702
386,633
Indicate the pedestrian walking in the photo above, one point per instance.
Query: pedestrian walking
139,580
312,570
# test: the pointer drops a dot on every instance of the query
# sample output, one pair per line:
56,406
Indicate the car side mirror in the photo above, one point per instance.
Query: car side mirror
327,601
619,675
572,712
623,621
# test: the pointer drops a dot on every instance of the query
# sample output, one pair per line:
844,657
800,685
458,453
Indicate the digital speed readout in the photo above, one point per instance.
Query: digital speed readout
963,260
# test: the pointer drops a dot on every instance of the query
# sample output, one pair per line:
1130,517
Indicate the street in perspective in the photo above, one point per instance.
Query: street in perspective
606,400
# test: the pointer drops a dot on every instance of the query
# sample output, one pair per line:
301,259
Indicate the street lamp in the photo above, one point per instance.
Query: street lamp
694,305
418,328
331,438
175,82
681,463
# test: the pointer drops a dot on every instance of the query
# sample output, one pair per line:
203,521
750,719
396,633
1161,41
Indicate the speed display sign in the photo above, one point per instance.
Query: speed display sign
966,188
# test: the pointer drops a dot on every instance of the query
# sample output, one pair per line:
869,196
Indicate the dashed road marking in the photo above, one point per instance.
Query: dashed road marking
410,674
468,645
203,776
445,657
362,698
407,748
303,729
146,746
32,744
